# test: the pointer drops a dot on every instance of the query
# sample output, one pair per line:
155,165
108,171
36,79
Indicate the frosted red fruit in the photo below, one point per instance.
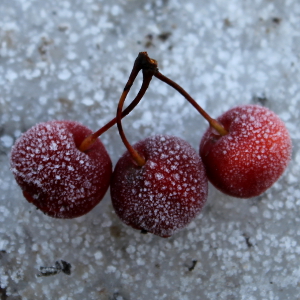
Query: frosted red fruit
166,193
54,175
252,156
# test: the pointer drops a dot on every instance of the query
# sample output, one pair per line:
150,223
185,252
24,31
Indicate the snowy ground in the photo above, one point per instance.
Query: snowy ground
70,60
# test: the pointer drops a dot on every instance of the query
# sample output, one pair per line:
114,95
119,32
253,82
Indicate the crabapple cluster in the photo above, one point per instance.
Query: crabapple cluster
161,183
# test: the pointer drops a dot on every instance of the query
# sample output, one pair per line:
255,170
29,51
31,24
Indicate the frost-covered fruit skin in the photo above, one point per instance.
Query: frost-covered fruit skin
252,156
54,175
166,193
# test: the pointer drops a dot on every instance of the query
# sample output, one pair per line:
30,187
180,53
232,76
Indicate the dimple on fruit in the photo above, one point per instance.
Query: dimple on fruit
54,175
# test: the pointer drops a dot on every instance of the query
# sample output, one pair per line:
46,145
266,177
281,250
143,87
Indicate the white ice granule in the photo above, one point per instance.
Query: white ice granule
22,250
3,244
43,100
253,209
34,247
85,64
3,279
98,255
147,117
31,74
111,269
64,74
115,10
11,75
87,101
140,262
130,249
71,55
267,214
149,283
6,140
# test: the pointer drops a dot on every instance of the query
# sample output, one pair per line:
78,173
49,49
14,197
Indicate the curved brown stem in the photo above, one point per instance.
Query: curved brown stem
212,122
140,161
143,61
89,140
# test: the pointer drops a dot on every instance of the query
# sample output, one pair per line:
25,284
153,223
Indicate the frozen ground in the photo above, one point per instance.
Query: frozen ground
70,60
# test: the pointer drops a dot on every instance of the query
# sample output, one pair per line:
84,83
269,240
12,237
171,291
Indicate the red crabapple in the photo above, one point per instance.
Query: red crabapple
164,194
54,175
252,156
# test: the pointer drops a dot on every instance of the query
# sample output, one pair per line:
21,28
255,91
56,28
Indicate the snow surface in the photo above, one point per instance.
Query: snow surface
70,60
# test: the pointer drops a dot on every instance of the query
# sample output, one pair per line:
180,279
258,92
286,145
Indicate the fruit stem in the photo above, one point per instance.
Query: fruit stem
140,160
212,122
141,62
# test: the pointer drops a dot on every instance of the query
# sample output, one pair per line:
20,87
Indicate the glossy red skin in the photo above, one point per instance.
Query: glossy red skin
54,175
166,193
251,158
